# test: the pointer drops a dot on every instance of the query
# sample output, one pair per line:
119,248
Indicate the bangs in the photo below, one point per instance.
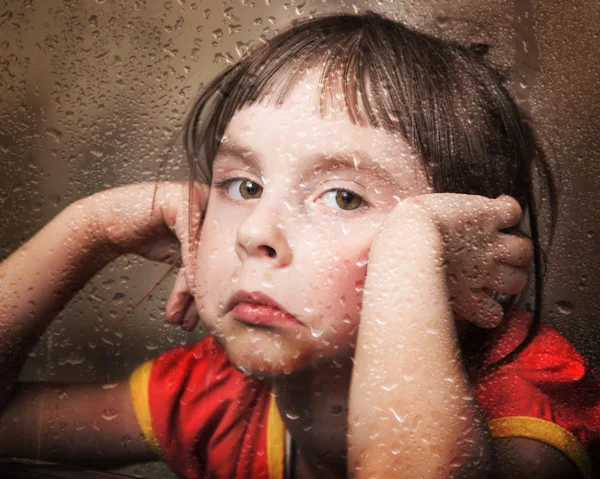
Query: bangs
348,54
449,107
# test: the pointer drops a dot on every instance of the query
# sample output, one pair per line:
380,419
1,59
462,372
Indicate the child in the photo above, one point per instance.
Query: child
353,246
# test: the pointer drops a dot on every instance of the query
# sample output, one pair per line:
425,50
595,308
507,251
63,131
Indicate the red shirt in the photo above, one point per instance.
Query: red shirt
206,419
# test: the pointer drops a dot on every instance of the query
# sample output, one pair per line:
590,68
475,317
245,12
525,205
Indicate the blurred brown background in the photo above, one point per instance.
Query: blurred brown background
93,93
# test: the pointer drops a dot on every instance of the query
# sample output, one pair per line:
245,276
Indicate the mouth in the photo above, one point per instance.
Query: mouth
258,309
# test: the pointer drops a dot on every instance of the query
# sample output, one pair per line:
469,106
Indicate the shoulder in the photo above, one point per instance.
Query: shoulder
517,457
199,409
545,397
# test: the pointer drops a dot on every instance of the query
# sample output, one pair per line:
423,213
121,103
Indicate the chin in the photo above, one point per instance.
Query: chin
263,359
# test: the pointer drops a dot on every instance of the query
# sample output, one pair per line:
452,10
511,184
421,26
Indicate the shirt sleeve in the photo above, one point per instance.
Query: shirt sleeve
203,416
548,393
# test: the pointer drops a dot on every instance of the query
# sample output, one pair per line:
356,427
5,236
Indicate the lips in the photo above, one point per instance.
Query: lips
259,309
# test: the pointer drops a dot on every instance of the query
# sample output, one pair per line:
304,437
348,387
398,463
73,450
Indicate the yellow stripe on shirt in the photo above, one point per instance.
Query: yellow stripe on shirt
275,441
138,386
547,432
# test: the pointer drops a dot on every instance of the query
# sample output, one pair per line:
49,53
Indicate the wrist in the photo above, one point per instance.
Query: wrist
86,233
123,220
410,233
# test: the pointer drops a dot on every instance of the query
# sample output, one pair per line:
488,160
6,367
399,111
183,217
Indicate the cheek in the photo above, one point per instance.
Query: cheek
213,258
338,285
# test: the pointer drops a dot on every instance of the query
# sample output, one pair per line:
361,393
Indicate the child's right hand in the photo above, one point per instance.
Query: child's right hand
153,221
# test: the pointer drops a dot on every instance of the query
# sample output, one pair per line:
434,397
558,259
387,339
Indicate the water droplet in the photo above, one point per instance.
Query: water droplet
441,19
315,332
564,307
337,409
399,418
109,414
241,49
380,321
308,307
345,229
55,134
118,297
72,361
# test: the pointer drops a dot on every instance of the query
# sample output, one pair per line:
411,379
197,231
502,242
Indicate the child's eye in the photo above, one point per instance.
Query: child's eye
342,199
240,189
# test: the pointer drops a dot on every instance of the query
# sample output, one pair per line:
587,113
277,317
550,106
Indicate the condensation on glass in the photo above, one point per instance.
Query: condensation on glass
93,95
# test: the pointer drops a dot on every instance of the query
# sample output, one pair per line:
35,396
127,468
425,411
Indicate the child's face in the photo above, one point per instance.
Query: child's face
299,202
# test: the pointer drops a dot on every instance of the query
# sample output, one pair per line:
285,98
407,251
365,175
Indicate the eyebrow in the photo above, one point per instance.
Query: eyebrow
231,148
354,160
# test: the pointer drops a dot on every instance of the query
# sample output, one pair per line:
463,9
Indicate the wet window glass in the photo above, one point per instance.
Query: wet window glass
391,214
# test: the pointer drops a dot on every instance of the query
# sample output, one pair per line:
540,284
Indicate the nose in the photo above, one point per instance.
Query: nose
261,236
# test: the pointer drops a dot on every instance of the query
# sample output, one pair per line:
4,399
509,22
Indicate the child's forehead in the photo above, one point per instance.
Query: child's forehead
293,137
300,116
295,130
296,127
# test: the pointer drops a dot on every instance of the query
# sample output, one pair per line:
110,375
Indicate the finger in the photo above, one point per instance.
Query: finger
179,299
514,250
484,311
509,213
190,318
507,280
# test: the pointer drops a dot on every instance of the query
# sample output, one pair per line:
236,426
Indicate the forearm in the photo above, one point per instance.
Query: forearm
38,280
411,409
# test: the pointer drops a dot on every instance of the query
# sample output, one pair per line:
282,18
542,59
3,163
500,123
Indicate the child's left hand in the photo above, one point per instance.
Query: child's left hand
478,258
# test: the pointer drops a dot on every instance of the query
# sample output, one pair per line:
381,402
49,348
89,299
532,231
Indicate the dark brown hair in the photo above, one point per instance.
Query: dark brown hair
443,98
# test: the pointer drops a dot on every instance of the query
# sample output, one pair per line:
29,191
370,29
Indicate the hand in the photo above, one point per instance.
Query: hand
478,258
153,221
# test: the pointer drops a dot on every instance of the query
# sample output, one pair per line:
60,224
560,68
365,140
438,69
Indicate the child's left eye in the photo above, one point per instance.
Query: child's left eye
343,200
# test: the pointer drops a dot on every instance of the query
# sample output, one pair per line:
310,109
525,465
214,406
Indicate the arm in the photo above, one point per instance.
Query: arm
408,383
412,411
35,284
38,280
91,425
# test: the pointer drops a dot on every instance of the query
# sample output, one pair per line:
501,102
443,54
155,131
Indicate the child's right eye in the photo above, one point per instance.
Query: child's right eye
240,189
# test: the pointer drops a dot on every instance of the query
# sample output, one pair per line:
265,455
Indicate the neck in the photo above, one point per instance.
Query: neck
314,408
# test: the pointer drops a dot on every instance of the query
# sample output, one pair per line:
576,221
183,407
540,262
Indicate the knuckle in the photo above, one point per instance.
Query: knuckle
514,207
528,250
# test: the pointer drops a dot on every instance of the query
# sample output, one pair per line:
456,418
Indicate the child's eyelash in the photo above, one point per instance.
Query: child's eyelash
227,179
361,209
220,184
